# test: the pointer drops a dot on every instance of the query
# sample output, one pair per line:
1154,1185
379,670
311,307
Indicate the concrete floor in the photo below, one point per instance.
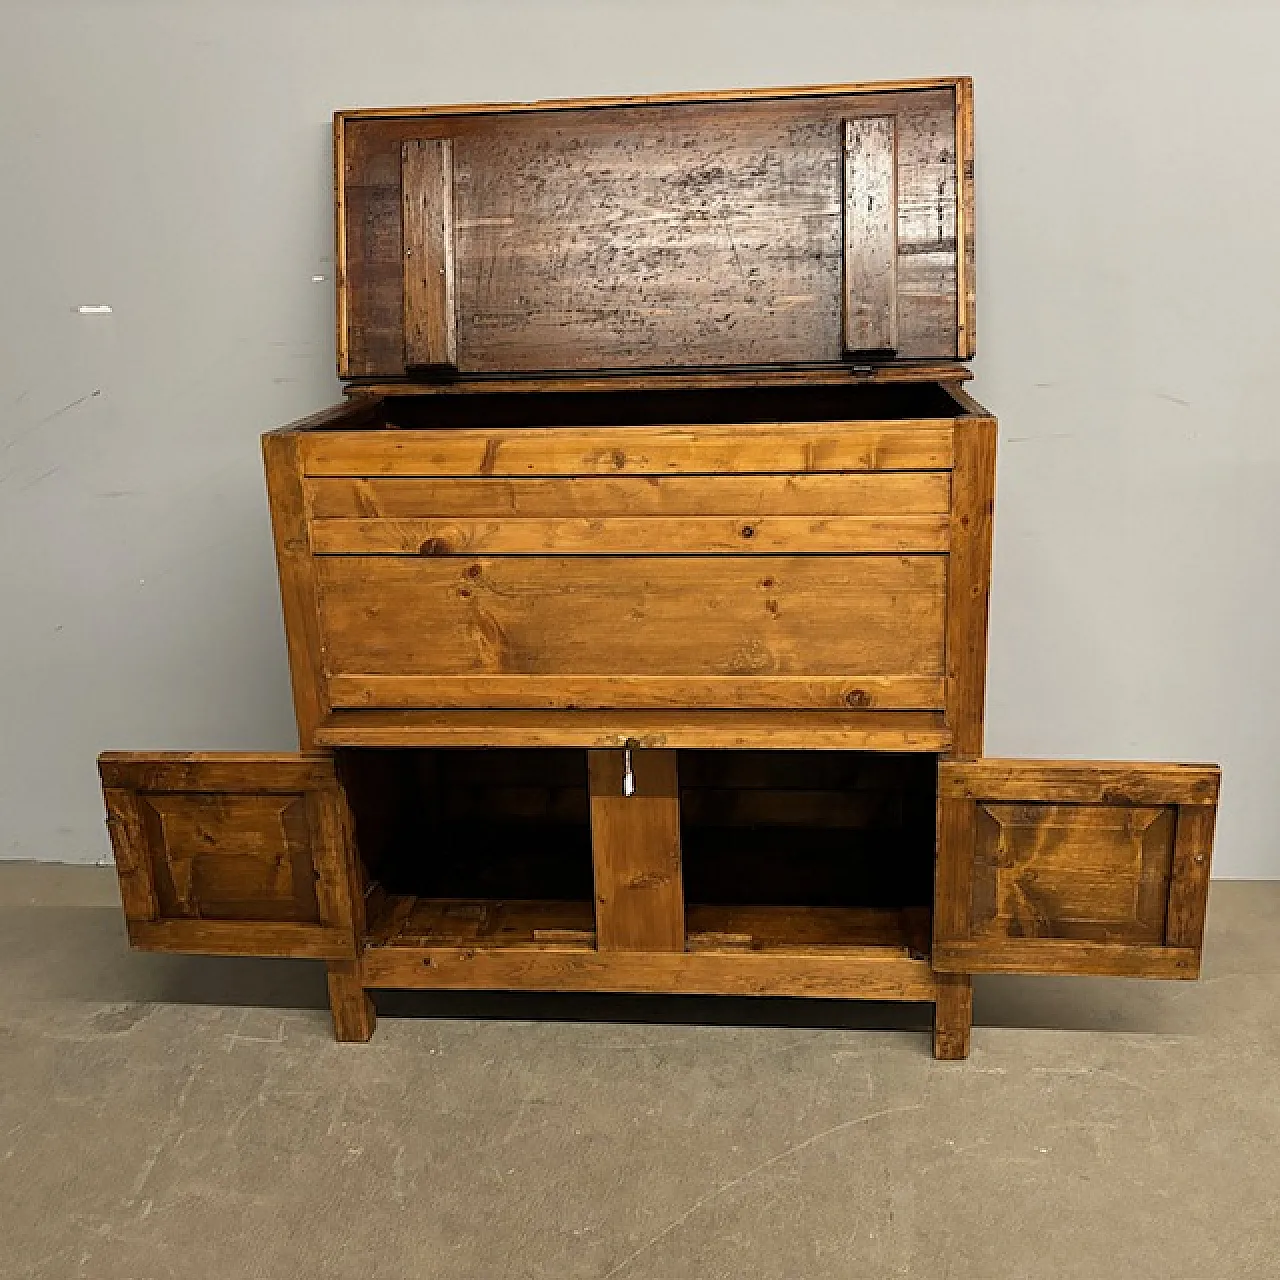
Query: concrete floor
170,1116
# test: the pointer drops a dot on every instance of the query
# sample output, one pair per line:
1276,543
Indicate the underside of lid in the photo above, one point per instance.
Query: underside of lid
764,234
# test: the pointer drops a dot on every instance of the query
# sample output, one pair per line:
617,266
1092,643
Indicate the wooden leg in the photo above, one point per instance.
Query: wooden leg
952,1016
353,1016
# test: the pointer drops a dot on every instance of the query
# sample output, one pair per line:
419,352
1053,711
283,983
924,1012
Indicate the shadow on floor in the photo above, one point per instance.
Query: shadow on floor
81,953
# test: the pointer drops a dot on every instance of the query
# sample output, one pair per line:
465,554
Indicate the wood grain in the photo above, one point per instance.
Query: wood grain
896,493
1093,872
647,99
969,580
132,855
280,453
418,922
237,854
1118,782
800,448
1050,866
870,974
894,693
1058,956
267,939
354,1019
647,235
635,846
800,930
258,772
967,328
870,290
633,616
952,1017
633,535
691,729
1189,890
430,318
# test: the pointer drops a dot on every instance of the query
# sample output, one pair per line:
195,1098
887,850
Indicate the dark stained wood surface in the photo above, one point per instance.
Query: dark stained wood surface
661,235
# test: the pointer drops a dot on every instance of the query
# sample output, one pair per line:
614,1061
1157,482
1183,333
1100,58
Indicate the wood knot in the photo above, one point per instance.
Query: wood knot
766,583
748,531
857,698
474,571
433,547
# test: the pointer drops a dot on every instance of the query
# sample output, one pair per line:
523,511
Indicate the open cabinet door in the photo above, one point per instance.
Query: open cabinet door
1073,867
232,854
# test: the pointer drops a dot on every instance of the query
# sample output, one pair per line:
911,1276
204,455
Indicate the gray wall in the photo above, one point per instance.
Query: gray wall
172,161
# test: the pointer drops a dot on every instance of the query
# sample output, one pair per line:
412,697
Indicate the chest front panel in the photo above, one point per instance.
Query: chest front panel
788,566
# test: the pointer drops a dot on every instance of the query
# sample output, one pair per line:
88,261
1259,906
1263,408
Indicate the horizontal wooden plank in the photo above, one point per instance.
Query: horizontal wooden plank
845,374
242,938
896,693
897,493
869,974
240,771
802,447
635,615
634,535
1048,956
417,922
648,99
1079,781
772,730
803,929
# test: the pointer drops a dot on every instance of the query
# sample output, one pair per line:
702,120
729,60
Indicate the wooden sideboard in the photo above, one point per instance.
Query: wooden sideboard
636,598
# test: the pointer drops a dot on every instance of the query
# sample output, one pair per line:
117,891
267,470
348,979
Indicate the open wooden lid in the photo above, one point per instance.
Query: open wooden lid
816,228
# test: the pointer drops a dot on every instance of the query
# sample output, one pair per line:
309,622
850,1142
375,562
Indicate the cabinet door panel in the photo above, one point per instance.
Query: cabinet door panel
1073,867
232,854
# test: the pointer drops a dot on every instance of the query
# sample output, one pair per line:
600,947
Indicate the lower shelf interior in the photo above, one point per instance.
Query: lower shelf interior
406,921
797,852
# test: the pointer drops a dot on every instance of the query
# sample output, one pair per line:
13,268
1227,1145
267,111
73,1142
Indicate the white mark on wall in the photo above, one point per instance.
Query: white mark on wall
95,309
318,279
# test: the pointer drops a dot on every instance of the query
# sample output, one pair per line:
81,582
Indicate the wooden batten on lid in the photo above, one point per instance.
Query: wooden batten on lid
816,228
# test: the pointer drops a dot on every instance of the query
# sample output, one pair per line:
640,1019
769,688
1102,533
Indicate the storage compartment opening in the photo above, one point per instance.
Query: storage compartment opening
790,848
872,402
476,846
